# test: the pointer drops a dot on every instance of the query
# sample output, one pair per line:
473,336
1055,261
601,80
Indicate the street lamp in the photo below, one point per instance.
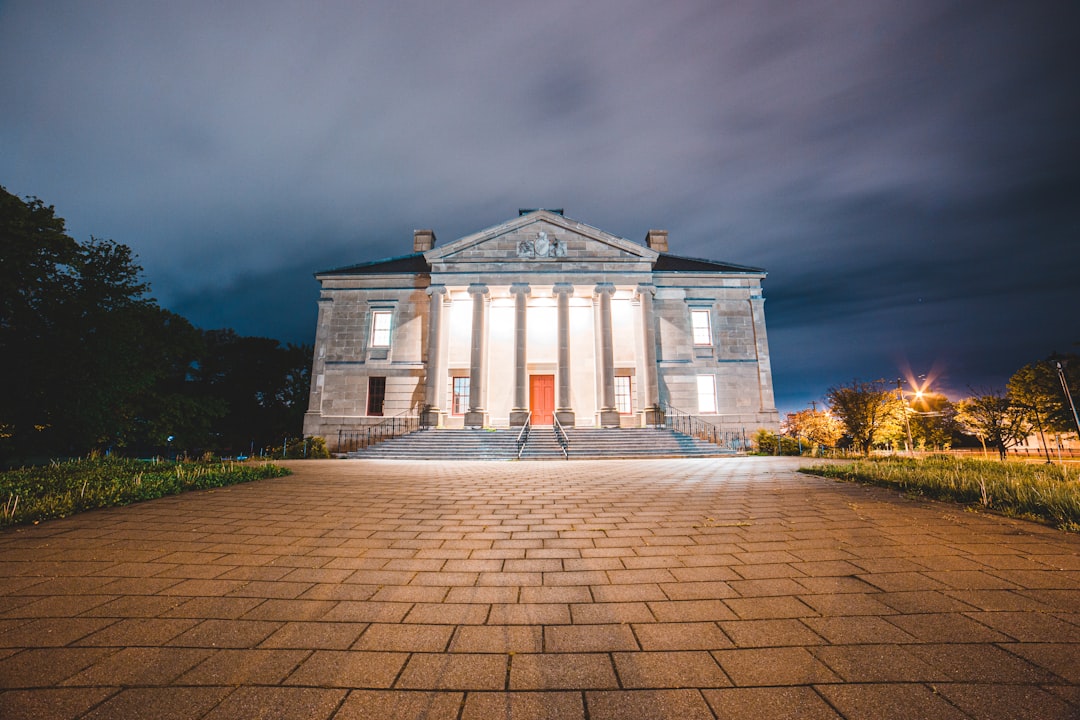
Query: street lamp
907,421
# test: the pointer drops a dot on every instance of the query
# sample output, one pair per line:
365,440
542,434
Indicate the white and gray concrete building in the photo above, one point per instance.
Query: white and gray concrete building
535,317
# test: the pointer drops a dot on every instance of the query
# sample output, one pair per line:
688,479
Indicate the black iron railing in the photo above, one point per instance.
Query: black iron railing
360,438
680,421
523,436
560,437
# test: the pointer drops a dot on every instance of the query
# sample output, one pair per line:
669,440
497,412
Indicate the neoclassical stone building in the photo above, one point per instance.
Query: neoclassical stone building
540,316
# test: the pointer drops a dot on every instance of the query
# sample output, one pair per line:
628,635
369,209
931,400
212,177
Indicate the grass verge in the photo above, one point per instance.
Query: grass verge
1049,493
66,488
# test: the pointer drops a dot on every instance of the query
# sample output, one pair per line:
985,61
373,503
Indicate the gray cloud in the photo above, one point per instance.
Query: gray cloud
908,173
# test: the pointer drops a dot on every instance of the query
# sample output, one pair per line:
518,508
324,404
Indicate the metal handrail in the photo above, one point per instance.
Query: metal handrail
523,436
560,436
391,427
687,424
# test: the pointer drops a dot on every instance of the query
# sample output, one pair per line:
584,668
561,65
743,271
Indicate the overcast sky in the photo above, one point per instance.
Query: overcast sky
907,172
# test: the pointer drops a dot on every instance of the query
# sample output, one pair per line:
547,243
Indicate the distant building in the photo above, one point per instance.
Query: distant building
540,316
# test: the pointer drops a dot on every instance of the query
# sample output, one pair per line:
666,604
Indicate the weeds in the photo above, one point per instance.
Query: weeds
1047,492
65,488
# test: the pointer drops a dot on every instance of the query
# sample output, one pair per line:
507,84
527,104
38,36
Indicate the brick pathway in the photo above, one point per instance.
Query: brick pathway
610,589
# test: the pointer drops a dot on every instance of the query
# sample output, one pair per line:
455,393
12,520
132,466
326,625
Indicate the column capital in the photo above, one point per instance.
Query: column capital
436,290
478,289
520,289
562,289
604,288
645,288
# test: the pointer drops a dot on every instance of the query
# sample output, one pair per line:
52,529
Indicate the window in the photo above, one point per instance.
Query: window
702,330
706,394
461,396
622,395
380,328
376,395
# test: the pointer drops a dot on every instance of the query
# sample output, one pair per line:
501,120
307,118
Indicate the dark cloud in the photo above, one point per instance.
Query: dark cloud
909,173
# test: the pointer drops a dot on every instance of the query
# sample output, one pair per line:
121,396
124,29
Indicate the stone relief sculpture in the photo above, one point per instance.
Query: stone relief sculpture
542,247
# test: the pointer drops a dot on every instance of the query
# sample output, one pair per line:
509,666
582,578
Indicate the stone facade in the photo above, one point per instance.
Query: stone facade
467,333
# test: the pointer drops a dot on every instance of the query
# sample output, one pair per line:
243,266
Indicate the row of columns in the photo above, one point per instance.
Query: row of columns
475,416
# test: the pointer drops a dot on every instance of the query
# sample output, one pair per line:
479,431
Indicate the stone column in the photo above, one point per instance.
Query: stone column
609,416
436,372
563,411
476,416
761,348
520,412
650,385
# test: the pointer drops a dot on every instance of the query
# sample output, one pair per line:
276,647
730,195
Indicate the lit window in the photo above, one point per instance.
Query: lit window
706,394
702,330
461,396
622,394
380,328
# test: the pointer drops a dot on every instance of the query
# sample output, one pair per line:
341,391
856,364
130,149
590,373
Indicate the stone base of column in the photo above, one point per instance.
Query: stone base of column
431,417
475,419
609,418
566,417
518,417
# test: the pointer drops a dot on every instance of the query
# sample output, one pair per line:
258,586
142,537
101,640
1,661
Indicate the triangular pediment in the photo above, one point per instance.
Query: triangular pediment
541,236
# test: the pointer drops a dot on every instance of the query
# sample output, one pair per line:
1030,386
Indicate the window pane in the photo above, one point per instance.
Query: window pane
706,394
622,395
702,331
461,396
380,329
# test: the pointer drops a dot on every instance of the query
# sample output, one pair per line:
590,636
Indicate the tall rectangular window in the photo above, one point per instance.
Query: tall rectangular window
376,395
706,394
461,396
702,328
380,328
622,394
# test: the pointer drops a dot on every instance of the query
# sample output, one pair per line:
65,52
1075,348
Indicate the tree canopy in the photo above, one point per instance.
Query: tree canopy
89,360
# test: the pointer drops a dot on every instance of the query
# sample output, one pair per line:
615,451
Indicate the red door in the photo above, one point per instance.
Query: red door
542,398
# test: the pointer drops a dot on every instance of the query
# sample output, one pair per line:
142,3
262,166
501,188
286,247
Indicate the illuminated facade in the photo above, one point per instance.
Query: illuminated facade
536,317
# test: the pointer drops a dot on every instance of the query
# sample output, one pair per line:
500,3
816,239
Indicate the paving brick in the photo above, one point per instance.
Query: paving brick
889,700
681,636
773,666
513,639
278,703
780,703
348,669
244,667
676,669
226,634
657,704
572,671
53,703
400,705
1018,702
405,638
588,638
770,633
454,672
523,706
140,666
530,614
979,662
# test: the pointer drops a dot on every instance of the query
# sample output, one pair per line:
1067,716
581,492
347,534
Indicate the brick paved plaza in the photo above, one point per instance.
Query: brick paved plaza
732,588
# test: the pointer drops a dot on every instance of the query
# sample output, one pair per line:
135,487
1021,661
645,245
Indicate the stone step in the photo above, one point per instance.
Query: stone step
500,444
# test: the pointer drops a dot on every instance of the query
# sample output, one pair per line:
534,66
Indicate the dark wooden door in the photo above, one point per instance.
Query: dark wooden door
542,398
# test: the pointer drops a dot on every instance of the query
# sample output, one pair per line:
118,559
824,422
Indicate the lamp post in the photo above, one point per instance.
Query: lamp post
907,421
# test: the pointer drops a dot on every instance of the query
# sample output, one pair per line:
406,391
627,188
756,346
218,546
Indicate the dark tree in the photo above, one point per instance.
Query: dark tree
867,409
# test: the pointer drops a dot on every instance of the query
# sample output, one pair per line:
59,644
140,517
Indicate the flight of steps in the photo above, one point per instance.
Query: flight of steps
585,443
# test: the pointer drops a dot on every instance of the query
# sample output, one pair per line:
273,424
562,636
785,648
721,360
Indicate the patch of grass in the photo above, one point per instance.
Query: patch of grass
1045,492
65,488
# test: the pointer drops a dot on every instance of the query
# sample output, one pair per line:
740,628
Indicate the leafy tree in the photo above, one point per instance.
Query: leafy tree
868,411
264,387
1037,386
933,421
818,427
995,420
